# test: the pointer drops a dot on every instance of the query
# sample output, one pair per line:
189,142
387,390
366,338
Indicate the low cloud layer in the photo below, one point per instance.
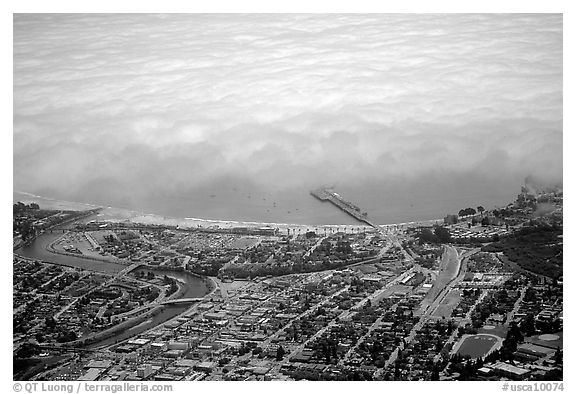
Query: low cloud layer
114,108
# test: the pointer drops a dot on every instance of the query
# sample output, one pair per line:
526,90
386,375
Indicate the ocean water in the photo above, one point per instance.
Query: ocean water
385,204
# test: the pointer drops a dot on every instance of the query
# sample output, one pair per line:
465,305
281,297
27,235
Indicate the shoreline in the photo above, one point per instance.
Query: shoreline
191,223
119,215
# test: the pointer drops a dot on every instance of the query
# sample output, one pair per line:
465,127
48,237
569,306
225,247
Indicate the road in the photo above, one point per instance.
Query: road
266,343
35,291
108,282
465,320
452,271
391,240
449,266
372,327
313,248
345,314
514,310
350,312
374,296
220,286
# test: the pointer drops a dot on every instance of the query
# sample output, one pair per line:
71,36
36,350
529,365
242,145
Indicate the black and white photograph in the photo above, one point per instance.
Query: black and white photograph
318,196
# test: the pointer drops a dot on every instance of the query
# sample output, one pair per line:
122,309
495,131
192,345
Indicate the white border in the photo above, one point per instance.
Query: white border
357,6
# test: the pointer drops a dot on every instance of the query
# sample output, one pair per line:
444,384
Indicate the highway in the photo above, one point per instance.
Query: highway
450,259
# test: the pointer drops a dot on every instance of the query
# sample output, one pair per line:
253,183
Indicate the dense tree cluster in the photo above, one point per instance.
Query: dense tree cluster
465,366
498,303
467,212
24,228
173,285
28,349
24,216
327,255
438,236
534,248
20,208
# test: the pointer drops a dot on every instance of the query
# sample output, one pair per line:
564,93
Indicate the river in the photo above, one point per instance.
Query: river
37,250
167,313
194,286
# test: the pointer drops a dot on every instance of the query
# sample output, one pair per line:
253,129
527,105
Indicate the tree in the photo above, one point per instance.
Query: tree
26,230
480,209
558,356
439,344
427,236
513,337
435,374
280,352
528,325
326,351
442,234
18,207
67,336
27,349
50,322
467,212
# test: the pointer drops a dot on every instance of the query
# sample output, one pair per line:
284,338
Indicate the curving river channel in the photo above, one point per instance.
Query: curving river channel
193,286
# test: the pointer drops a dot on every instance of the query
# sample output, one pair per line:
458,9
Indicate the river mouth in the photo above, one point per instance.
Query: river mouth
38,250
192,286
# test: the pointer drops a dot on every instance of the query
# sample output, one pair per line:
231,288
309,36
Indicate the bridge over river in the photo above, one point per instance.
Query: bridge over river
178,301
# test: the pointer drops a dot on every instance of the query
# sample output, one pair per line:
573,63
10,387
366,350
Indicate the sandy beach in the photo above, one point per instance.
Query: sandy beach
112,214
123,215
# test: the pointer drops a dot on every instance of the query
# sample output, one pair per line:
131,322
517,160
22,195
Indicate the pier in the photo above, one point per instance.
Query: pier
326,194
